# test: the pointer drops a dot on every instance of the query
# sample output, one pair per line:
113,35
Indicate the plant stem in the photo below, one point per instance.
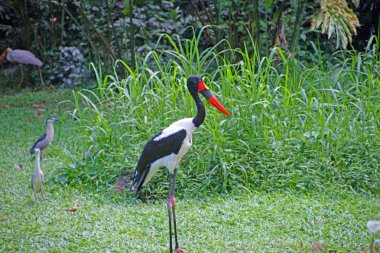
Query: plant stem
106,44
62,21
94,50
255,24
132,35
297,24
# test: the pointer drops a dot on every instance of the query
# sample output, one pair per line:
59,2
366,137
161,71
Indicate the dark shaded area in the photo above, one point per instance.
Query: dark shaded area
369,16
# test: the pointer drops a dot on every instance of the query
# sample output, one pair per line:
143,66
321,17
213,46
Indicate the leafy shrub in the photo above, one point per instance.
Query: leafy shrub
70,70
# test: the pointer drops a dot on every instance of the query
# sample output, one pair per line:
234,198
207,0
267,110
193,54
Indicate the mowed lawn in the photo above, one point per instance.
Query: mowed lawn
283,221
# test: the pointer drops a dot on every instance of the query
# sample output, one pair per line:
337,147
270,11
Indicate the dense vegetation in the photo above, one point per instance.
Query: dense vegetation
67,35
304,116
293,126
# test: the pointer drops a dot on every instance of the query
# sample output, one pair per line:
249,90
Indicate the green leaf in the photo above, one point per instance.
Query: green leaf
337,36
331,27
326,22
319,19
126,9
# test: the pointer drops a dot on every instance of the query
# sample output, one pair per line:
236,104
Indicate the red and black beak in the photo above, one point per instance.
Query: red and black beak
202,88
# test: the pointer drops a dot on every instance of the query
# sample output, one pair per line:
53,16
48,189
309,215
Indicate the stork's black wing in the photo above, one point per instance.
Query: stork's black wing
155,149
31,151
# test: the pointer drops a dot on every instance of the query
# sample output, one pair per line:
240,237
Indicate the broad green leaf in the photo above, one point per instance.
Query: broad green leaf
325,22
337,27
319,19
331,27
126,8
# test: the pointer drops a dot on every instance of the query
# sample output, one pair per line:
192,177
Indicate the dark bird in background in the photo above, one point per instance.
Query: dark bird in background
168,147
38,180
47,137
22,57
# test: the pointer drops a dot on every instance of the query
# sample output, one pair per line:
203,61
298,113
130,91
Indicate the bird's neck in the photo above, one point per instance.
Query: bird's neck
37,166
201,111
49,130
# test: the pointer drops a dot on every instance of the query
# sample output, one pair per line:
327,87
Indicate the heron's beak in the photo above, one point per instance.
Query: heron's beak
3,55
202,88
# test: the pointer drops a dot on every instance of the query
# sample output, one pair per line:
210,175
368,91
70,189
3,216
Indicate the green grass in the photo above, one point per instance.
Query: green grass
295,169
284,221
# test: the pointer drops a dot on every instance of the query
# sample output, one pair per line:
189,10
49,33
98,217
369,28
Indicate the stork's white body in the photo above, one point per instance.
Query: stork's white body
171,161
166,149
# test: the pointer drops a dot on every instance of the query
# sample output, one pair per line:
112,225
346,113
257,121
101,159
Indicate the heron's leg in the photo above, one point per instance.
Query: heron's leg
22,77
42,80
43,193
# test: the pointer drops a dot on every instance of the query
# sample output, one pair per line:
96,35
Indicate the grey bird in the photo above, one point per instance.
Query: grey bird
38,180
22,57
47,137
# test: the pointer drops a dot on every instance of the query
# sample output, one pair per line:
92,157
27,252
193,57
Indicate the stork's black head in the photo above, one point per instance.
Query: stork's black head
195,84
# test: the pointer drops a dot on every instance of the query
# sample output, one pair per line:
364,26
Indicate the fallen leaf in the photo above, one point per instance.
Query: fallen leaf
36,106
318,247
74,208
19,166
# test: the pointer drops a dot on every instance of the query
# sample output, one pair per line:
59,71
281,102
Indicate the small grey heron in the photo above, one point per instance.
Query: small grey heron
47,137
167,148
38,180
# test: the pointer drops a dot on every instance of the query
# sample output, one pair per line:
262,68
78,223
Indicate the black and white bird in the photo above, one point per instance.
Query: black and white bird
168,147
47,137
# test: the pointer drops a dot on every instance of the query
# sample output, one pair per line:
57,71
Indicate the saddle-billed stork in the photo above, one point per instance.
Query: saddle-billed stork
168,147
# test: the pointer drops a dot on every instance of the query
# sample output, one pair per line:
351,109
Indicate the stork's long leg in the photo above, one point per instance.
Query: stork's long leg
173,209
170,230
177,248
169,205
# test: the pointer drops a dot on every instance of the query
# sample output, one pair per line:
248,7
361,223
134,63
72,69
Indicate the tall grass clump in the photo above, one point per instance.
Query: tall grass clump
294,125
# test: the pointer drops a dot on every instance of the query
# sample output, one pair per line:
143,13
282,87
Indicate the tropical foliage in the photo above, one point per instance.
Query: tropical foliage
105,31
334,17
